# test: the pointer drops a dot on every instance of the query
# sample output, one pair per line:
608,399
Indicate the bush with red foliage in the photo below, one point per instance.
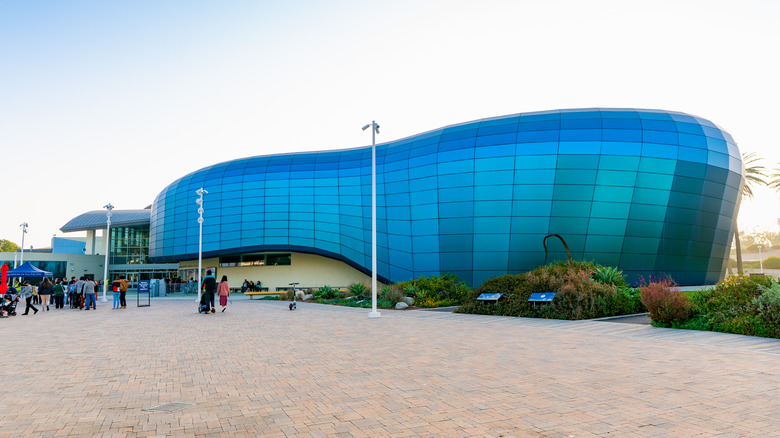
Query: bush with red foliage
665,301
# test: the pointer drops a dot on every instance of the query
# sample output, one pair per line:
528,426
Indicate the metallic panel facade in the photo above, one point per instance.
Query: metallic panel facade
651,192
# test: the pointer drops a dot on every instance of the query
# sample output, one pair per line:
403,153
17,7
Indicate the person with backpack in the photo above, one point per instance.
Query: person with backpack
209,286
115,287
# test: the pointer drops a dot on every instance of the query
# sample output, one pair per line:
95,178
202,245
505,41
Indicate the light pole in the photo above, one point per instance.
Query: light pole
24,231
108,208
760,259
199,201
374,132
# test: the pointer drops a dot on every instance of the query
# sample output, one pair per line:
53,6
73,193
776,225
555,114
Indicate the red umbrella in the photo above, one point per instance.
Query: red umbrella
4,278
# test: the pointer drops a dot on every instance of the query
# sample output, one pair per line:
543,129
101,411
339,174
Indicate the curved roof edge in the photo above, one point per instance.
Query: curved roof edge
96,220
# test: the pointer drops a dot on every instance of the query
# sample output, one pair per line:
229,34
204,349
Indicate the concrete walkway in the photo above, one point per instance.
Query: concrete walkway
322,371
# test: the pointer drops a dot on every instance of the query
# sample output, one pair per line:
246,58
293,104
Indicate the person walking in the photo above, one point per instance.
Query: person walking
80,293
209,285
115,287
123,286
59,295
26,293
89,294
44,292
223,290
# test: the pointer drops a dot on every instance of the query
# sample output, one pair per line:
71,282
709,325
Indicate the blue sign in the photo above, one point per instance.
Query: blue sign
542,296
143,286
489,297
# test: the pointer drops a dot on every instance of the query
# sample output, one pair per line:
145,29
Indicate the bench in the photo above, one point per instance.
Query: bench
262,292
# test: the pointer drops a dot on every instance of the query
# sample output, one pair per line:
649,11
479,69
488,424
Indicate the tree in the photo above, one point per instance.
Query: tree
8,246
754,176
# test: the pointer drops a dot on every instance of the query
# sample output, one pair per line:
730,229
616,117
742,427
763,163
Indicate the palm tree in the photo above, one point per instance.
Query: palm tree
754,176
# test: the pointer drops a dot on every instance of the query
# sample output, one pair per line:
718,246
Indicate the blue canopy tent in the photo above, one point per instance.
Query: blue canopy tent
28,270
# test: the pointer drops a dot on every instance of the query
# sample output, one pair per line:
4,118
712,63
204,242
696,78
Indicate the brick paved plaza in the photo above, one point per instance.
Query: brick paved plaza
320,371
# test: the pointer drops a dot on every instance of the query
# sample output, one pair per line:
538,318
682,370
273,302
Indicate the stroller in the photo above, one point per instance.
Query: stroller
8,306
203,307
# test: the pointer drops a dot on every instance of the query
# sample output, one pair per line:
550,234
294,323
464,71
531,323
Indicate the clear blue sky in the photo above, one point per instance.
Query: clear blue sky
112,101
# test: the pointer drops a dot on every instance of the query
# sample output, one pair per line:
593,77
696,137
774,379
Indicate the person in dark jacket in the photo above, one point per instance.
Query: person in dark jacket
59,295
44,291
209,286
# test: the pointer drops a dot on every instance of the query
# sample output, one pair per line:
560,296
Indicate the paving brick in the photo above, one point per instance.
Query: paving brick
320,371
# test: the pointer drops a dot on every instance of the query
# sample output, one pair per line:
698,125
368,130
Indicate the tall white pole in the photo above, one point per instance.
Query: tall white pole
24,231
374,313
107,237
760,259
199,201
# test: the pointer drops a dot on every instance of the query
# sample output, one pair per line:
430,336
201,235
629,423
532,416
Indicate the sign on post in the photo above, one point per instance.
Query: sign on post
144,289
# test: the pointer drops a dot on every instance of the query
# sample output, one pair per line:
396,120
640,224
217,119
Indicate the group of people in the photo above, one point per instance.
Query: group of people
250,286
79,294
210,288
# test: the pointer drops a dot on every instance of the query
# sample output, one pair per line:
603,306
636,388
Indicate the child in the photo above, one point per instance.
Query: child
223,290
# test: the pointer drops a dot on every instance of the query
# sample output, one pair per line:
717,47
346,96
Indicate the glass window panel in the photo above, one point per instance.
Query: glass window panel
650,196
537,136
575,176
493,193
531,176
536,162
607,227
493,208
494,178
579,147
573,192
531,192
616,210
630,135
659,150
531,207
578,161
621,148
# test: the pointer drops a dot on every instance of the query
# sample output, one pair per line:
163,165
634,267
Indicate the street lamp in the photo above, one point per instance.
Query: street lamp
199,201
374,132
24,231
760,259
107,237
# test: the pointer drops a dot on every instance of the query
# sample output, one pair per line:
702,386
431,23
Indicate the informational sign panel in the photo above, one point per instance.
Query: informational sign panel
144,294
542,296
489,296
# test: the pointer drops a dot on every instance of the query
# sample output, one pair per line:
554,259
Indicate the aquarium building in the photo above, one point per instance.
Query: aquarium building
651,192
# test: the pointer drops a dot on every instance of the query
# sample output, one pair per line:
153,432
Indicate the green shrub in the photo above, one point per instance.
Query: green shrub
664,301
359,291
772,263
436,291
609,275
768,305
394,294
325,292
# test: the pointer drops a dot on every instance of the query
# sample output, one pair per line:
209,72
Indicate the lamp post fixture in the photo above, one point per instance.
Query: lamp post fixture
24,231
199,201
107,237
374,132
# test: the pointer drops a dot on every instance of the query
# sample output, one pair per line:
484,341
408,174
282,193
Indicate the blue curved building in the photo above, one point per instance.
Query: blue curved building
651,192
